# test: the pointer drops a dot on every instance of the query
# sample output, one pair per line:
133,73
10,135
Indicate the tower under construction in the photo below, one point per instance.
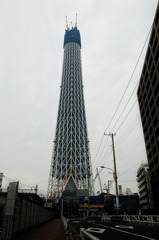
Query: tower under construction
70,166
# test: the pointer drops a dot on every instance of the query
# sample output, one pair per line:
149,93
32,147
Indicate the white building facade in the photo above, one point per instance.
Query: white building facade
144,187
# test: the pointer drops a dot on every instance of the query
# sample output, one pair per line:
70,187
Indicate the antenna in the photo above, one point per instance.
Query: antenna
71,24
76,21
67,27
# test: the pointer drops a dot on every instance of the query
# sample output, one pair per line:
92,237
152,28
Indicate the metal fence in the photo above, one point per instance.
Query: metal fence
149,219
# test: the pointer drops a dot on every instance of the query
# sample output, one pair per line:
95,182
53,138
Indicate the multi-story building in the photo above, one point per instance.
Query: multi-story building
144,186
71,166
148,98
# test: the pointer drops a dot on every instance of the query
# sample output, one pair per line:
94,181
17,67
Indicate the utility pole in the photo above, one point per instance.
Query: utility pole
115,172
109,183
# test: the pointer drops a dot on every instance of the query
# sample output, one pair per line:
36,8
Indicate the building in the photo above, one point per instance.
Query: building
71,166
144,186
148,98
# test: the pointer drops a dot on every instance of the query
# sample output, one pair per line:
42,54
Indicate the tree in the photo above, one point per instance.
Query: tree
109,205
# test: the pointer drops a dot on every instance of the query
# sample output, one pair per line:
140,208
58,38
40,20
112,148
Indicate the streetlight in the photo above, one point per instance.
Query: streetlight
115,178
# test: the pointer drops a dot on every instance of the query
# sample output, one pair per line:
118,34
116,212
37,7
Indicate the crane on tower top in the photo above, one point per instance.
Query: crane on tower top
76,21
67,27
71,24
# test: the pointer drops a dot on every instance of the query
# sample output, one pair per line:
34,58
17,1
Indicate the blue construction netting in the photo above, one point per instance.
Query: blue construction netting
72,35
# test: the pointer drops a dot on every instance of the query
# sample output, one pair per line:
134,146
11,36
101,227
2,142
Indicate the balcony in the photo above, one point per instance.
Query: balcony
142,182
140,176
143,201
144,187
144,194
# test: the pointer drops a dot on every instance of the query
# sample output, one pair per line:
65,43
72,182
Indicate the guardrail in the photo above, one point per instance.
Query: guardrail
150,219
65,223
84,234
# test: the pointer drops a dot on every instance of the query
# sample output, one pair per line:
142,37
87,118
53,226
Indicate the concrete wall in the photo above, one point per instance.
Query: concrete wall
28,214
22,212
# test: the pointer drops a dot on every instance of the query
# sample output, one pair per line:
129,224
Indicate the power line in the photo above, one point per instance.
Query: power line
22,183
107,150
126,130
125,106
101,152
126,116
99,147
127,171
130,77
132,150
124,91
99,162
120,141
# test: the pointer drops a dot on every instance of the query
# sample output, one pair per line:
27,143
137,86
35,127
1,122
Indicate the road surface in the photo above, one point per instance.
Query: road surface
114,230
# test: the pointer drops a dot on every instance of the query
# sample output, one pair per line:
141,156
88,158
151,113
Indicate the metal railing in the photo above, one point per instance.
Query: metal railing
65,223
84,234
150,219
3,190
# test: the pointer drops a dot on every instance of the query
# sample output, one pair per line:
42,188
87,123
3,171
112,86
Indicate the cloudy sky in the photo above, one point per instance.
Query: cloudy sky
113,34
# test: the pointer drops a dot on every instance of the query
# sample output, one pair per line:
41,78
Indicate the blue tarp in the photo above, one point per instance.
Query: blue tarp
72,35
100,199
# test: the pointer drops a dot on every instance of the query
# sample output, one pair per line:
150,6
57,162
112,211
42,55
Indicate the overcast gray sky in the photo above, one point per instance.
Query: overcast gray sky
31,55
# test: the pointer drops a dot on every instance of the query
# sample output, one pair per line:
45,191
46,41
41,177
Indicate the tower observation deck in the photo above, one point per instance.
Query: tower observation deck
70,163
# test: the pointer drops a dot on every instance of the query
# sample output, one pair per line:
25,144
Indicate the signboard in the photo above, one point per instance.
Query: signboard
120,189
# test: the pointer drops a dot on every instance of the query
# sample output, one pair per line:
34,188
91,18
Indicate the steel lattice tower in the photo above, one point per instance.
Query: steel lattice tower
71,145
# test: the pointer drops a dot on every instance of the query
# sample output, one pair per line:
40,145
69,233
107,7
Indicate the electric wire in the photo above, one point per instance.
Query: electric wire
124,92
119,127
127,171
99,147
125,106
101,152
117,144
23,184
121,140
130,126
99,163
126,116
130,77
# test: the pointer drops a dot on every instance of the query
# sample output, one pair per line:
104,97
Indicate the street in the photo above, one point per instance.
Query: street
120,230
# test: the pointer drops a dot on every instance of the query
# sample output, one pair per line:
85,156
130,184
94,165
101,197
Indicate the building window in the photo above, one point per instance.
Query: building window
157,89
157,171
157,54
152,140
152,37
152,71
157,132
152,175
156,160
154,80
154,46
155,122
154,149
150,156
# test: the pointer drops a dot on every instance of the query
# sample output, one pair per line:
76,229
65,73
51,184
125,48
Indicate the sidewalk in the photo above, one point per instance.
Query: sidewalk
48,231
